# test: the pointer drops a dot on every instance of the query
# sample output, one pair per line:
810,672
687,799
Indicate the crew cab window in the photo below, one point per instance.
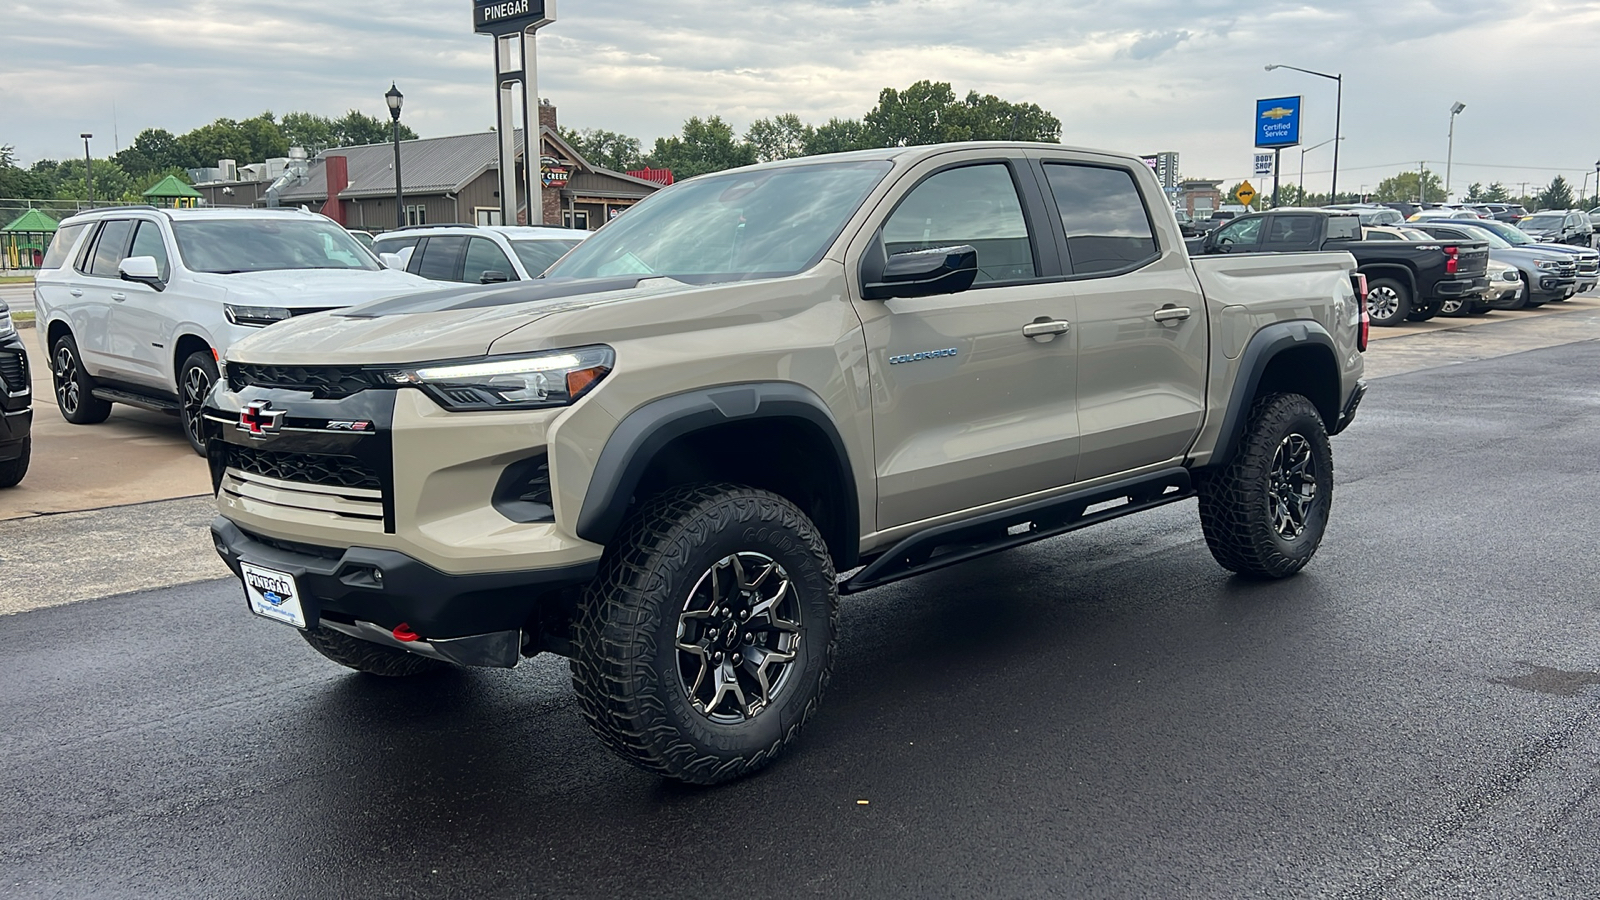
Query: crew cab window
1342,228
1107,225
61,245
973,205
147,242
1242,233
439,258
1381,236
483,256
111,249
1292,232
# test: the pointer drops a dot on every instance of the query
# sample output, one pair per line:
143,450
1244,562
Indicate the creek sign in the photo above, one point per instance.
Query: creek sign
500,17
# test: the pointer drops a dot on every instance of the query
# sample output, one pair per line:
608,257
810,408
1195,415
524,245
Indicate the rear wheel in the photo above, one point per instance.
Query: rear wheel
196,377
12,471
73,386
705,642
365,656
1388,302
1457,308
1425,311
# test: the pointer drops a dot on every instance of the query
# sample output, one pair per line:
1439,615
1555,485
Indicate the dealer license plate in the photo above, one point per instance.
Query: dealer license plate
273,594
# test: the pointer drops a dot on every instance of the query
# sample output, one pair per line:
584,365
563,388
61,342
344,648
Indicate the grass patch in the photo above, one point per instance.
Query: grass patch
16,279
23,317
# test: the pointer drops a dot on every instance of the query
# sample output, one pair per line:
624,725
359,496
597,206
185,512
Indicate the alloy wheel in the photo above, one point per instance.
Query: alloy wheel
1292,486
1383,302
738,638
196,386
68,391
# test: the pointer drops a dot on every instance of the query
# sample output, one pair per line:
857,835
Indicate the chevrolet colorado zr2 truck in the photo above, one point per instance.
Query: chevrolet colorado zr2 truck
760,390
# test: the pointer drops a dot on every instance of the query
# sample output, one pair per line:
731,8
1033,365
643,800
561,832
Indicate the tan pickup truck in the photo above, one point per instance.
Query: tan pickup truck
761,390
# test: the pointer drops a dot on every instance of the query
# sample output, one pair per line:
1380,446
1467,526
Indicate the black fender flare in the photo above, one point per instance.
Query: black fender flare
1258,354
647,430
1394,270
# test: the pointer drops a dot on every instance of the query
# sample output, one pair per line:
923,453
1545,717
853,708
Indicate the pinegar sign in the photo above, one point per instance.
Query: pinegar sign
511,16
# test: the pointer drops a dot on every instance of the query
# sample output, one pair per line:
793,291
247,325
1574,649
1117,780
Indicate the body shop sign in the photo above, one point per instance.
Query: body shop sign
511,16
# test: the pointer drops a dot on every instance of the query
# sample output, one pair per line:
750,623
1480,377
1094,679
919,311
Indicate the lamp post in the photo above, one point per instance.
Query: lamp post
1338,119
88,167
396,100
1597,181
1449,161
1303,152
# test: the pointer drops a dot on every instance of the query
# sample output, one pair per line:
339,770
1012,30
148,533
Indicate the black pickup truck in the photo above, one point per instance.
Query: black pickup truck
1405,279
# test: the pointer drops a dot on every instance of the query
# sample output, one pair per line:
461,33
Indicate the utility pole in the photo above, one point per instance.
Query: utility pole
1449,161
88,167
1422,182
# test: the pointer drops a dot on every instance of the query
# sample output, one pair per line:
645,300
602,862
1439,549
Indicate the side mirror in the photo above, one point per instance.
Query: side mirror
142,270
494,276
919,273
393,261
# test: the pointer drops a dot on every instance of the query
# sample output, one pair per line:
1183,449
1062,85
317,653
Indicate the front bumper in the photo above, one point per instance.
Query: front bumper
387,588
16,398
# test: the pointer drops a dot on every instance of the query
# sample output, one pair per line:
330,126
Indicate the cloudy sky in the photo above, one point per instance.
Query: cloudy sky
1134,75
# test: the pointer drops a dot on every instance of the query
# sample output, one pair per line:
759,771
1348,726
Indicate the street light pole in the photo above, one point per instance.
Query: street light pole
1450,160
1303,152
88,167
395,100
1338,120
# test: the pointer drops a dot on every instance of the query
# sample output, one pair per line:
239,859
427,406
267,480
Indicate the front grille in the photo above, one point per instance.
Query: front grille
1589,265
14,372
322,382
305,468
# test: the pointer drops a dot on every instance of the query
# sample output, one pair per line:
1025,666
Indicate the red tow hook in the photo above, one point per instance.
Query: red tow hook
405,635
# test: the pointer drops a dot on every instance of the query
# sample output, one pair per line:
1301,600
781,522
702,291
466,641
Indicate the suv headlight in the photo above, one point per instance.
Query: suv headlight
7,327
255,316
533,381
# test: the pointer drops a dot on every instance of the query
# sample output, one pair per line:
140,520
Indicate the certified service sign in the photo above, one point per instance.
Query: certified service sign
1278,122
511,16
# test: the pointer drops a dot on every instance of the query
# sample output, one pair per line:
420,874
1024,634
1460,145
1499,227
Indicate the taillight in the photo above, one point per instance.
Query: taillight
1452,265
1360,282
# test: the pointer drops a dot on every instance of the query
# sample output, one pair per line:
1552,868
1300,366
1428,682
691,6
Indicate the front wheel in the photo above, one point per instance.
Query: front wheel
73,386
705,642
13,470
1388,302
1265,512
196,377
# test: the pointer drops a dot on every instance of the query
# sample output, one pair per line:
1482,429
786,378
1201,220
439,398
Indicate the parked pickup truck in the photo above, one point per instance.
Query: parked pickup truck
1405,280
760,390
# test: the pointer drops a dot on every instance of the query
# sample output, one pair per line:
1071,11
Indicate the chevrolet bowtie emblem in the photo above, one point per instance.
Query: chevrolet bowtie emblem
1277,112
257,420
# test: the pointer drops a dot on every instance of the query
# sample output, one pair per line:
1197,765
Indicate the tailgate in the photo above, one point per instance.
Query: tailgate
1472,258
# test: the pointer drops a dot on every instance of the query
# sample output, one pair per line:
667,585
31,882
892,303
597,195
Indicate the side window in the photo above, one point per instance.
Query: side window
61,245
1380,236
440,258
1342,228
974,205
483,256
1107,225
1293,231
1245,232
112,248
147,242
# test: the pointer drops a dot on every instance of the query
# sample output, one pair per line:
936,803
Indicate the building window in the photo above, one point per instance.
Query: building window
416,215
488,215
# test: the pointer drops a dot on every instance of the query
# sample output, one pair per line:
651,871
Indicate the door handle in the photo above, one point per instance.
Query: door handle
119,297
1173,313
1046,328
75,292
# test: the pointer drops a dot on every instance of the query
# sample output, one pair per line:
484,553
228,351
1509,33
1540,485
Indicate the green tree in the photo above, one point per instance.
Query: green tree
310,131
838,136
111,183
264,137
911,117
707,145
155,149
609,149
17,183
1496,193
357,129
988,118
1557,196
222,139
1404,187
780,137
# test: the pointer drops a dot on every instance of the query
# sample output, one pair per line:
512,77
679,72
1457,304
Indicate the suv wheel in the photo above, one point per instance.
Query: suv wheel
1426,311
74,388
11,471
1264,513
705,641
1457,308
1388,302
365,656
196,377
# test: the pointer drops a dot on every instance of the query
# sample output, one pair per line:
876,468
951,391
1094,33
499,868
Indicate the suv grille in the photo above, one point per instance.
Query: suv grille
13,372
305,468
322,382
1589,264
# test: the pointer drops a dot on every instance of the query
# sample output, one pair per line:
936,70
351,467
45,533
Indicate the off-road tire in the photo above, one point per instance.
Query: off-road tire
625,668
367,657
12,471
74,388
1397,302
1235,501
196,377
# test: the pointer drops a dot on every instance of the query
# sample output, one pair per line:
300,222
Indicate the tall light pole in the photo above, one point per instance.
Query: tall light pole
1303,152
88,167
1449,161
396,100
1597,181
1338,119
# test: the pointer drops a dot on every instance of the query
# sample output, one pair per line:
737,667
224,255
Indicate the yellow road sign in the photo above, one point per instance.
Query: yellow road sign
1246,194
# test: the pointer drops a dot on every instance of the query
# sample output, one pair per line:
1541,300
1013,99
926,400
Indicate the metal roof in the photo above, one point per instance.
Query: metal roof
428,166
32,221
171,186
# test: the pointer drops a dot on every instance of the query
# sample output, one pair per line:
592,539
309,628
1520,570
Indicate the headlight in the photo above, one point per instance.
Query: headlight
7,328
1513,275
255,316
1548,264
538,381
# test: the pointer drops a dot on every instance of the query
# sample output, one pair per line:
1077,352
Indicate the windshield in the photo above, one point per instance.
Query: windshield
1484,234
1506,233
537,256
1542,223
765,223
231,246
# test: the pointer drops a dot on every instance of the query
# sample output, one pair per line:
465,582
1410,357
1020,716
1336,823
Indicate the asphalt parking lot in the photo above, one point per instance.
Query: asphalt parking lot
1106,714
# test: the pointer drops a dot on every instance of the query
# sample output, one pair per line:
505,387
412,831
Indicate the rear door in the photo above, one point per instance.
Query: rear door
439,258
483,258
1141,329
1238,236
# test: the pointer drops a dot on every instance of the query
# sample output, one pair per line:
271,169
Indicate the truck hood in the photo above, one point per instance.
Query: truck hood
453,323
312,288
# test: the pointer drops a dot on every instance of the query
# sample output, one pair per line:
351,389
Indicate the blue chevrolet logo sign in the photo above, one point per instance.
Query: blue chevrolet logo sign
1278,122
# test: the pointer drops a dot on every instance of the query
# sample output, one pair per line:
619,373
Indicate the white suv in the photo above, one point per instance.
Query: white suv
476,254
137,304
